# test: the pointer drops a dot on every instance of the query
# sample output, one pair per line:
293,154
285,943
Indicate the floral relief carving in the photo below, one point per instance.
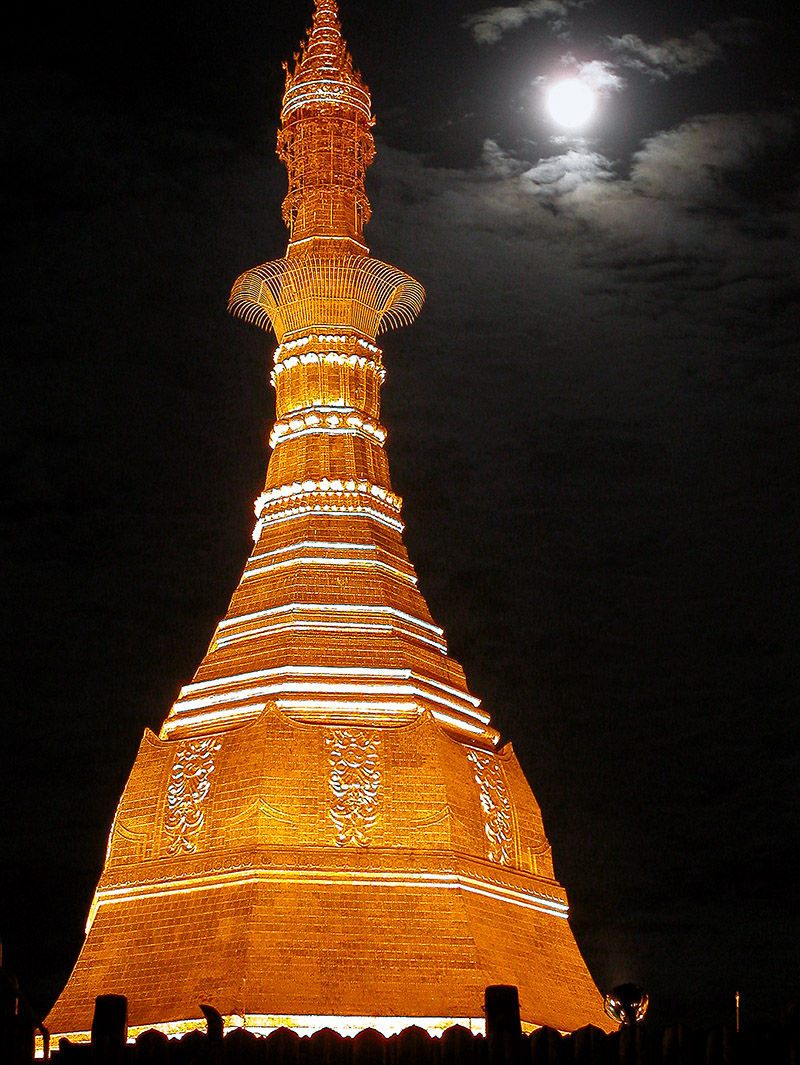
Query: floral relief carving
186,792
355,777
497,818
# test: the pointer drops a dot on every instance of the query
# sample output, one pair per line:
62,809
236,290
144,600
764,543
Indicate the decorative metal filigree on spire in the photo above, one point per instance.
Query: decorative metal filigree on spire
325,140
324,48
327,280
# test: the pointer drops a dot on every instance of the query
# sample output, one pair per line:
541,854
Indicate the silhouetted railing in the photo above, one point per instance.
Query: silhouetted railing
504,1044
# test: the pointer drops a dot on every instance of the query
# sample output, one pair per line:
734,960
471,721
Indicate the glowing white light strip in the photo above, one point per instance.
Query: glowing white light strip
298,510
332,560
338,671
332,709
324,338
333,608
448,881
478,887
302,1024
295,492
453,691
308,626
216,717
357,688
303,706
374,437
302,671
335,91
230,713
285,362
330,626
388,711
338,239
351,1026
332,671
301,545
458,723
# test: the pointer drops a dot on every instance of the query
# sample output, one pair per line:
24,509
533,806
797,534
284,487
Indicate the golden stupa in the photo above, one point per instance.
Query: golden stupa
325,833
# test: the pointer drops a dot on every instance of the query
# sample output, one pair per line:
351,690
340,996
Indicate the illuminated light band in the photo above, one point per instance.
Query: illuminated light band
316,560
337,671
459,723
310,91
322,358
448,881
348,504
304,545
329,421
340,608
281,432
238,713
299,511
349,239
357,554
284,352
324,338
331,425
415,686
287,551
375,713
357,627
329,358
324,487
302,1024
351,1026
316,626
362,699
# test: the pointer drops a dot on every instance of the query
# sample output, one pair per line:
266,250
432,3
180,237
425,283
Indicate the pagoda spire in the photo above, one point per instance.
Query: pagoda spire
324,833
327,280
325,37
325,140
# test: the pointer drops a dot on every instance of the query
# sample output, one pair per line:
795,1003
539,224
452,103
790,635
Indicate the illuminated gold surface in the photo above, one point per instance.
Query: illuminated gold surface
324,827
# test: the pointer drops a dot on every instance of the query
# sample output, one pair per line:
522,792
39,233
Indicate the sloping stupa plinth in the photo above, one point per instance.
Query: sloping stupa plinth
324,833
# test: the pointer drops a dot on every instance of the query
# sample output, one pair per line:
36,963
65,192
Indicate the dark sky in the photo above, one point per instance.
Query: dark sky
594,426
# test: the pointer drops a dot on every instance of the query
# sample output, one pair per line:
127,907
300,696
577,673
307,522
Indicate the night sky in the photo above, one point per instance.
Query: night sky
594,425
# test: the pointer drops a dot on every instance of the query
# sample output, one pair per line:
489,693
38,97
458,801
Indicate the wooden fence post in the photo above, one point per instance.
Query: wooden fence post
109,1030
503,1026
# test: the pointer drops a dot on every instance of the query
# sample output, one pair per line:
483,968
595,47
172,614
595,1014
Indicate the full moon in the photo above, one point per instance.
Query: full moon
571,103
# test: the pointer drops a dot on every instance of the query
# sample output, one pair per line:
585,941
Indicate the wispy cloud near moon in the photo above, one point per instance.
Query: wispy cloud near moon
490,25
679,55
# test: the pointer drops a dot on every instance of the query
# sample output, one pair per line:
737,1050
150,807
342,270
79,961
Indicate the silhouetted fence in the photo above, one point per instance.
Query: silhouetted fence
504,1044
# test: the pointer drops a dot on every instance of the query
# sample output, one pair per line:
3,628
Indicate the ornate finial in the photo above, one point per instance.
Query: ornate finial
325,138
322,62
326,18
325,47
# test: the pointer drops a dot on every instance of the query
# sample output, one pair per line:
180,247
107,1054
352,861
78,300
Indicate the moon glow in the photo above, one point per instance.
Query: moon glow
571,103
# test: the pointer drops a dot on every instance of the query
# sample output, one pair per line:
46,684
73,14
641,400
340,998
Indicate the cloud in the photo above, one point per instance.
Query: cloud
561,174
598,74
490,25
601,76
500,164
664,256
691,162
680,55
